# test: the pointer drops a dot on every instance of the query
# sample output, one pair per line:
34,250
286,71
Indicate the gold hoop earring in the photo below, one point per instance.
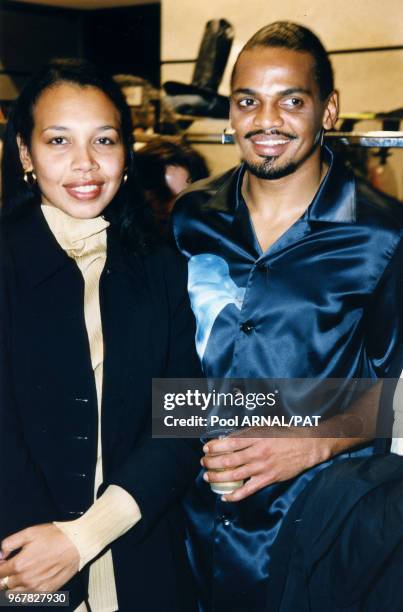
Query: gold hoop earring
30,178
125,177
227,136
322,137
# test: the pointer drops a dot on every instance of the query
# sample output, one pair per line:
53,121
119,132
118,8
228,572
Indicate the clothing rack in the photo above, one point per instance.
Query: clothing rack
362,139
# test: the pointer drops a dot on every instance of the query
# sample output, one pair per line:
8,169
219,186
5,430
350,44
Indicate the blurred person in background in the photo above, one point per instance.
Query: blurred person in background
165,170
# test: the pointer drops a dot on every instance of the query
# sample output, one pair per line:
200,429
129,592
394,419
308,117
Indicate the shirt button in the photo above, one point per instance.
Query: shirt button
247,327
225,521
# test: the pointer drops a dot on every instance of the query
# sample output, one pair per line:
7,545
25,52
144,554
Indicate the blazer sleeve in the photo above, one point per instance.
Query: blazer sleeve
24,496
158,471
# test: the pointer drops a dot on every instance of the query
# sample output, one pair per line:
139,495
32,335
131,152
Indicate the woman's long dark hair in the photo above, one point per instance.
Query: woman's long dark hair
127,211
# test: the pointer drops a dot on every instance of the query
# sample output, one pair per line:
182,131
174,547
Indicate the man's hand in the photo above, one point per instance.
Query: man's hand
263,461
251,454
47,559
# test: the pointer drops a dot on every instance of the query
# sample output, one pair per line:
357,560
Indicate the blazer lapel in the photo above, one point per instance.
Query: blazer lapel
126,324
49,336
36,250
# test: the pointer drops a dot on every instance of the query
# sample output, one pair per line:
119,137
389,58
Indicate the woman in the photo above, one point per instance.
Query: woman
90,314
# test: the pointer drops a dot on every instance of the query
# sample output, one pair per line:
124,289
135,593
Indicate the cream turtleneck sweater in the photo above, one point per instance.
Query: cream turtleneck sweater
115,512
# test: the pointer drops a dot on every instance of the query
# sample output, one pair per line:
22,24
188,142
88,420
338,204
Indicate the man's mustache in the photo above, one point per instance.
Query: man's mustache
270,133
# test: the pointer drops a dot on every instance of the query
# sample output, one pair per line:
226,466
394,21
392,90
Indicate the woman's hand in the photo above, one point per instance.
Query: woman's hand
47,559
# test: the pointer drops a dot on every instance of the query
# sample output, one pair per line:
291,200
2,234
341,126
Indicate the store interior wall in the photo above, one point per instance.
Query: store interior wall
122,39
367,80
364,37
29,36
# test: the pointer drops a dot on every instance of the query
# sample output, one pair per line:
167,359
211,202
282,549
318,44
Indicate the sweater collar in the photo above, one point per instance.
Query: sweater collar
75,236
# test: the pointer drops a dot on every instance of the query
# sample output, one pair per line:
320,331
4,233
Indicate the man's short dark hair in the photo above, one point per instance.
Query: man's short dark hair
296,38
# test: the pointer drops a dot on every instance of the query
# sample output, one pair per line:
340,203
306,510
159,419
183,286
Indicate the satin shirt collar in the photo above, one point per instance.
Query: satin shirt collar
334,202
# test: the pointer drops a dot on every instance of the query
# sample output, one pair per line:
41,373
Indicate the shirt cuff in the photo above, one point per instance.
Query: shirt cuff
111,516
397,446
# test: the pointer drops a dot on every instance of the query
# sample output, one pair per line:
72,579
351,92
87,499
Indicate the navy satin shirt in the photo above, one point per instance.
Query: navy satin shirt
324,301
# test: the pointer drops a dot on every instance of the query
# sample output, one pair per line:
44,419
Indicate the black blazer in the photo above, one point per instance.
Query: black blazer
340,548
49,408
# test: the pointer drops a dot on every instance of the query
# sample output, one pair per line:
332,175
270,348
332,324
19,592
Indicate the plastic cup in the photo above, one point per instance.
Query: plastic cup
221,488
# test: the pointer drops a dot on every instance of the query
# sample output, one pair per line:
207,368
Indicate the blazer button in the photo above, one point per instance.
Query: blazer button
247,327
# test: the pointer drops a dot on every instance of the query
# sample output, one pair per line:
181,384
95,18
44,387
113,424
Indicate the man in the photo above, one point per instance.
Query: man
293,273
